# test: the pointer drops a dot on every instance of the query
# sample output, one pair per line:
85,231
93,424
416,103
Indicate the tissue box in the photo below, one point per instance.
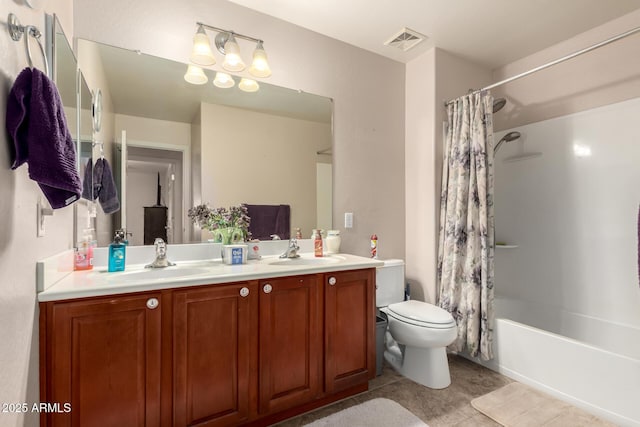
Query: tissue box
235,254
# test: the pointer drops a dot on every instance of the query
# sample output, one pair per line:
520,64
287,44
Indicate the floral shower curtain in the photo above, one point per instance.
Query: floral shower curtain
466,245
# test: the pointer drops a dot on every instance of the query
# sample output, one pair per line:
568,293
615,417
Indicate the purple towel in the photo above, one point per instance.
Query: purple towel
269,219
38,127
87,181
104,187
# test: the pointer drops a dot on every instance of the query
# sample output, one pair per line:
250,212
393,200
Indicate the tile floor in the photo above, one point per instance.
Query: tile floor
448,407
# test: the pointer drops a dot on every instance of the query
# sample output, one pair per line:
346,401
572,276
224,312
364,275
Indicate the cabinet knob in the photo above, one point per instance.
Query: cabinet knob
244,292
267,288
152,303
332,280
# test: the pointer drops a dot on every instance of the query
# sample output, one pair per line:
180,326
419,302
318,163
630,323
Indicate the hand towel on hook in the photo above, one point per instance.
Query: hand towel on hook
38,127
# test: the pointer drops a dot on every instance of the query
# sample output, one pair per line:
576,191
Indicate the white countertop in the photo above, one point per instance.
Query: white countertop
99,282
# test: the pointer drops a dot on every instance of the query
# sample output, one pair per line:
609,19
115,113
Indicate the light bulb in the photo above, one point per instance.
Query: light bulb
201,53
195,75
248,85
232,59
223,80
260,65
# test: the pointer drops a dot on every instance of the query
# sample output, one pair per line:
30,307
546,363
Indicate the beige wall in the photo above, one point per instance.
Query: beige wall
603,76
158,132
367,89
19,246
239,166
431,80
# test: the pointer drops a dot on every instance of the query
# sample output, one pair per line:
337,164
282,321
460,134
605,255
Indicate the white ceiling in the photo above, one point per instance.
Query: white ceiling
488,32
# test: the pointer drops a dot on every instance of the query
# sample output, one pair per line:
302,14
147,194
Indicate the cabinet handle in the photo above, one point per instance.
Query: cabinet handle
332,280
267,288
244,292
152,303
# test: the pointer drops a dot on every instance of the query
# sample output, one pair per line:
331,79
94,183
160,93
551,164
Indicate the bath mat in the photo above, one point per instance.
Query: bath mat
372,413
519,405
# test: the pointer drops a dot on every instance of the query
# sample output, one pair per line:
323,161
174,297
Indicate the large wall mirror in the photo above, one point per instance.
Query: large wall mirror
173,145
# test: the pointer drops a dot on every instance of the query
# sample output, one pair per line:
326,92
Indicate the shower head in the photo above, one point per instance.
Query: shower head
498,104
511,136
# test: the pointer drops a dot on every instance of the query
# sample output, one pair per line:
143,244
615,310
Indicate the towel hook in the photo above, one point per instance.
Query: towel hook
16,30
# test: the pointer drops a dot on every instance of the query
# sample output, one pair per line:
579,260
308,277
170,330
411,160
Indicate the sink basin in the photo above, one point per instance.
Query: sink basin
158,273
307,261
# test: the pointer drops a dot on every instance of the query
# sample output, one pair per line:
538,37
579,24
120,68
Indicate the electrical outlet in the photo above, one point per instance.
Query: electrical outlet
348,220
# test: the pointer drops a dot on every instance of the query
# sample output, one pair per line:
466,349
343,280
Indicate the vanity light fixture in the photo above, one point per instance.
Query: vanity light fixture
248,85
226,44
195,75
223,80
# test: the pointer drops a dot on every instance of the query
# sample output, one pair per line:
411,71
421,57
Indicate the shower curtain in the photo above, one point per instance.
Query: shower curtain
466,243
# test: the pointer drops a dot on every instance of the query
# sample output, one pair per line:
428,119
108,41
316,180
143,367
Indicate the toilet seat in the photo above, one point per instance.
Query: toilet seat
421,314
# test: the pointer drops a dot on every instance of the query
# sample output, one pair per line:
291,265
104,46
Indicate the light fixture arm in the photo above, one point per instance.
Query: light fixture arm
223,36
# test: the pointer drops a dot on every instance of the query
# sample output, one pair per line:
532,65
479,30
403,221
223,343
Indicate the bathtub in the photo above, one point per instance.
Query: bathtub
591,363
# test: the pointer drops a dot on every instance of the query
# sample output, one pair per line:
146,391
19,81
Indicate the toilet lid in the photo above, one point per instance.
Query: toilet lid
421,314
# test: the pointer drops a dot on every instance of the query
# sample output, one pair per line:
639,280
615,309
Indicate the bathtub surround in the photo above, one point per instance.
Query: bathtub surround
465,257
569,292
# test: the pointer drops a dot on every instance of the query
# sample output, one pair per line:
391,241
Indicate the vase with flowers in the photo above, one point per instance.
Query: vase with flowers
228,226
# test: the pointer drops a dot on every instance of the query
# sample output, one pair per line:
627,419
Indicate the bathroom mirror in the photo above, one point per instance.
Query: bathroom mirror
203,144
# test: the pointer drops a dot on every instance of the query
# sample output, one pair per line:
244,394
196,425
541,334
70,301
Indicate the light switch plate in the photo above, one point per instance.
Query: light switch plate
348,220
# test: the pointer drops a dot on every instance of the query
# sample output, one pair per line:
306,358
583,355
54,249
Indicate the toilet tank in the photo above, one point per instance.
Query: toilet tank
390,282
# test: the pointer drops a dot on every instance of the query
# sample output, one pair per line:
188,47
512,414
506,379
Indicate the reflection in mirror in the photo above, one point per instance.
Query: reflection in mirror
65,75
188,145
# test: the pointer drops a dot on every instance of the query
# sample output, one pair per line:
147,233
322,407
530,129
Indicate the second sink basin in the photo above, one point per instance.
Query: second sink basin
308,261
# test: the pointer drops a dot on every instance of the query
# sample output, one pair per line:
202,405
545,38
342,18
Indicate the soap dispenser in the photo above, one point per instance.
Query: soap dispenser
117,252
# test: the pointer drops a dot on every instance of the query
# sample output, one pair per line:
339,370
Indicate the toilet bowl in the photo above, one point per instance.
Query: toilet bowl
425,331
418,332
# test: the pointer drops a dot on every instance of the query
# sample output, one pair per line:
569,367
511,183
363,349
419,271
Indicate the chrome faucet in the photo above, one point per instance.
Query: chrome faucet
292,250
161,260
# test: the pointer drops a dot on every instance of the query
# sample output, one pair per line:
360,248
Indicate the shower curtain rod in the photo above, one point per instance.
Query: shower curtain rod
557,61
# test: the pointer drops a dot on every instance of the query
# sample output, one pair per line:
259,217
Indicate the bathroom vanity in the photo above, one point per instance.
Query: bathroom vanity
219,346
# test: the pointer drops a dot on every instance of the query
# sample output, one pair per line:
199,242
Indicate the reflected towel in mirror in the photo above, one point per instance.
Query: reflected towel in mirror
269,219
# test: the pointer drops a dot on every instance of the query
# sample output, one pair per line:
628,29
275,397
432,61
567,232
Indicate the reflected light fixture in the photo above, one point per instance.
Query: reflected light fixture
226,44
260,65
201,53
248,85
195,75
223,80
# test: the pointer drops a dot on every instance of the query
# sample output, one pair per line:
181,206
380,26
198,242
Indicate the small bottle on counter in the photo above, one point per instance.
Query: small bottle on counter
317,242
374,246
298,233
333,241
117,252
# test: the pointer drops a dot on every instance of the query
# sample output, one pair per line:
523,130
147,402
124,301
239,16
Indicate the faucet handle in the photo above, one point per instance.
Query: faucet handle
161,247
293,243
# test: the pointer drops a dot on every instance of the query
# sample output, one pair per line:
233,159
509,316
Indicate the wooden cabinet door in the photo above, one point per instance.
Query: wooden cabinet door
215,339
349,335
290,342
103,357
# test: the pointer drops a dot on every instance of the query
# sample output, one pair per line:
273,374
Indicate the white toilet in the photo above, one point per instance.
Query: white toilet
422,330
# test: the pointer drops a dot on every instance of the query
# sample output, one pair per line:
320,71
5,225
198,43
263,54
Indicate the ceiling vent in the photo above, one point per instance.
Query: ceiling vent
405,39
